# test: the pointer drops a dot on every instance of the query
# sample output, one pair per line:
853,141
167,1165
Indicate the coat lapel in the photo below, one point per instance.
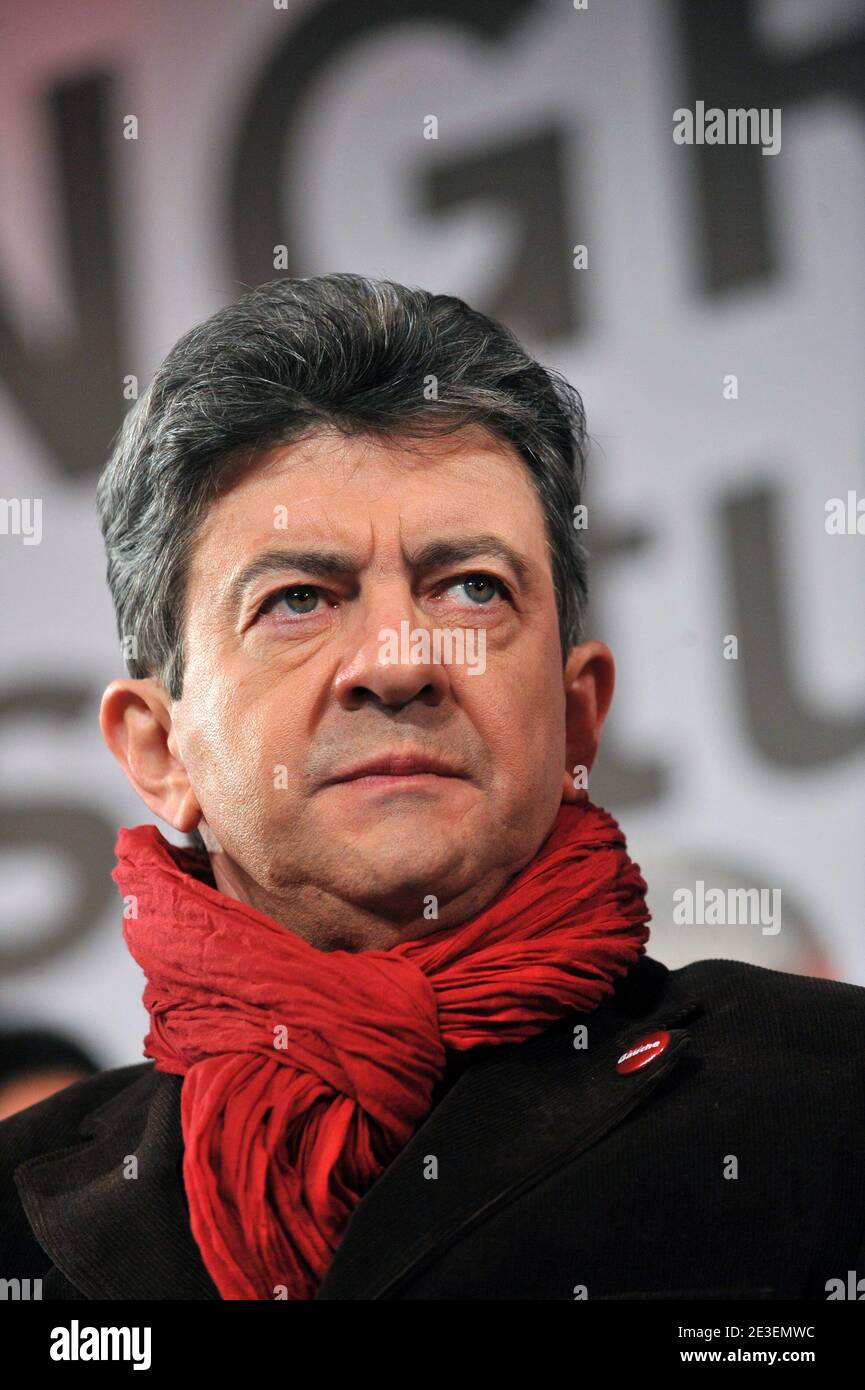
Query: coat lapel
515,1114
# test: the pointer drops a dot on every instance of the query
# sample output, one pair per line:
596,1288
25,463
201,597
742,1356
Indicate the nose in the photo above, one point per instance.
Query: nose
391,661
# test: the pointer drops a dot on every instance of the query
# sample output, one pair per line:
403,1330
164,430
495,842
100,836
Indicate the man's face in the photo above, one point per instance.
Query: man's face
284,689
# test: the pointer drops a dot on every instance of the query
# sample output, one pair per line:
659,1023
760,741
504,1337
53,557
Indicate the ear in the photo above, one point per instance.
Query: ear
589,676
136,724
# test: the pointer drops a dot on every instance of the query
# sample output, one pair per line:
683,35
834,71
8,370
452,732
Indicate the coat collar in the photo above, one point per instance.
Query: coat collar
111,1211
118,1236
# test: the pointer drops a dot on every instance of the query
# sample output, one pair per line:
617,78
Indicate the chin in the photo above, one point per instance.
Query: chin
410,871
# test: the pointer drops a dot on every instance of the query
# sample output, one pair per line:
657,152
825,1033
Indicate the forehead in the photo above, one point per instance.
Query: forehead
330,485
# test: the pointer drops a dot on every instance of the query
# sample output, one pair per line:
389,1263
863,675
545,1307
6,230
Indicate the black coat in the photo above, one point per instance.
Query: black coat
555,1171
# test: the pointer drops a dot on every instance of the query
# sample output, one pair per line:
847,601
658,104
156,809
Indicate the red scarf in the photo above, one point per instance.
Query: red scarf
306,1071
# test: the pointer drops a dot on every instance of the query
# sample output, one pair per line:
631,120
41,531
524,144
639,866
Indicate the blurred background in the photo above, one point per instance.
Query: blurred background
157,158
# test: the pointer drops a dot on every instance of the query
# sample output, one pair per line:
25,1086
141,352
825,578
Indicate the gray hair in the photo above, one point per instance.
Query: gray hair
336,351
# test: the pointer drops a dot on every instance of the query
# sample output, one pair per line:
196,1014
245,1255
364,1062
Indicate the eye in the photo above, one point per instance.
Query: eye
304,594
300,600
481,587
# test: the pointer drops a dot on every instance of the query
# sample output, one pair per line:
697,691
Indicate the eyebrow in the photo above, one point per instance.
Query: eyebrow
324,564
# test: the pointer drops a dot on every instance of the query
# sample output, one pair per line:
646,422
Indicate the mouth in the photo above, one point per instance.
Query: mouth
394,769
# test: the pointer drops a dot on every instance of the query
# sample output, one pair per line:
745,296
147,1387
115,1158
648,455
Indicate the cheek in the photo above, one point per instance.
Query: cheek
250,756
521,718
231,776
225,749
544,712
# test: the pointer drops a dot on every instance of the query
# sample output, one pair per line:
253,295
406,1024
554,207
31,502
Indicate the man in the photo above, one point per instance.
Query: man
406,1041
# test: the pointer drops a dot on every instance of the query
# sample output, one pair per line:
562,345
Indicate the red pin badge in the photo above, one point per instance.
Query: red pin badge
643,1051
